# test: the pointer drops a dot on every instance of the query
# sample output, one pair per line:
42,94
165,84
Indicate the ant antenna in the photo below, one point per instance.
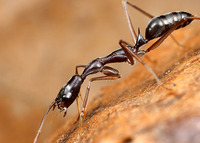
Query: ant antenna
41,125
133,34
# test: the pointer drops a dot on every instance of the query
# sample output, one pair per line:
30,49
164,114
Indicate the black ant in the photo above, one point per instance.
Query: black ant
161,26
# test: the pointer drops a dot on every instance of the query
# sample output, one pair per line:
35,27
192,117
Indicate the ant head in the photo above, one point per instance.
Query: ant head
64,95
68,93
64,99
140,40
60,101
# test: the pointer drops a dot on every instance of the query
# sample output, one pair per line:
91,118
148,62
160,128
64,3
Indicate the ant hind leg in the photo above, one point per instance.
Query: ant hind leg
133,33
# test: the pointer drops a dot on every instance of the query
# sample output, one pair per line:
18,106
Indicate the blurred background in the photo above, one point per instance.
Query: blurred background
41,42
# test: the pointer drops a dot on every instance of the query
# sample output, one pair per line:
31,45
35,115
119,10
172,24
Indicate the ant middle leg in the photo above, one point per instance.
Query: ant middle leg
78,105
77,102
110,74
79,113
113,77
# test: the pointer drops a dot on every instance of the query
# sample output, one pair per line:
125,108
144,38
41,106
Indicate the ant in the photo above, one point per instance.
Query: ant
161,26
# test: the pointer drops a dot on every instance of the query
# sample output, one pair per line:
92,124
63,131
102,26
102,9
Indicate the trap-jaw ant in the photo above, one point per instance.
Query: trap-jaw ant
161,26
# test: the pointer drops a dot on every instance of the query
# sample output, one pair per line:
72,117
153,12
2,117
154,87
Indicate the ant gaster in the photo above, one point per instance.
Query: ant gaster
161,26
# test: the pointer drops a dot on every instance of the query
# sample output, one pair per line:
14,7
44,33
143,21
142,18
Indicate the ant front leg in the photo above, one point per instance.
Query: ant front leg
109,76
122,43
77,102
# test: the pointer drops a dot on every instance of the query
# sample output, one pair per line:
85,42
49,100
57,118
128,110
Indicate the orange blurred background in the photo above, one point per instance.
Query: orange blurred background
41,41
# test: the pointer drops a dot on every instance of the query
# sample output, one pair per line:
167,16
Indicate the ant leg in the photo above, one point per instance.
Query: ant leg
121,43
133,33
130,54
109,71
124,42
79,66
80,96
77,102
79,113
106,77
78,105
160,40
141,10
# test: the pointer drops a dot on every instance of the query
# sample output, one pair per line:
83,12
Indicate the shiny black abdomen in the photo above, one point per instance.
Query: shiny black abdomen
161,24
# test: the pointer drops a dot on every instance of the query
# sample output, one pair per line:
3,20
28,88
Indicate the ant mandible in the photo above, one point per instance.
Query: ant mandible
161,26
